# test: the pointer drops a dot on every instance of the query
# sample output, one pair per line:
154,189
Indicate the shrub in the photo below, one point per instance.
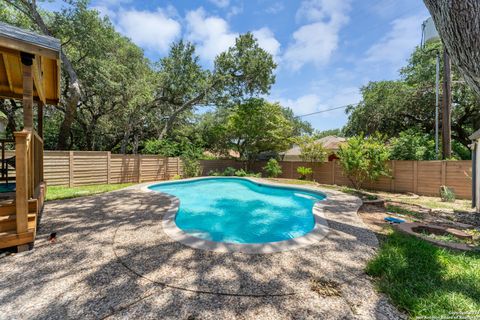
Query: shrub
273,168
191,167
241,173
229,171
304,172
214,173
364,159
176,177
447,194
412,145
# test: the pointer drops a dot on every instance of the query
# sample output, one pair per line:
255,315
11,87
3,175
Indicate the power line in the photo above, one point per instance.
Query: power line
326,110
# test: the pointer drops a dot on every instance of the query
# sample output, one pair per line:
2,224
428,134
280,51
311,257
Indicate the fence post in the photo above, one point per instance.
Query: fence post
415,176
70,166
139,167
444,173
392,178
334,161
108,166
178,166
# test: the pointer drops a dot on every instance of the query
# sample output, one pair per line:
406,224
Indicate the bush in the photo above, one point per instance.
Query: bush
176,177
241,173
229,171
447,194
304,172
412,145
191,167
364,159
273,168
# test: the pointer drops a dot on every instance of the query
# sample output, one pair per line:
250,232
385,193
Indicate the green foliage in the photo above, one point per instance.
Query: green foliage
412,145
364,159
326,133
241,173
191,167
273,168
229,171
447,194
304,172
253,127
310,150
63,192
424,280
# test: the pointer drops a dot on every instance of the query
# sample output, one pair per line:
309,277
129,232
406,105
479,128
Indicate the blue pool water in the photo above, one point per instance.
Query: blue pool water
241,211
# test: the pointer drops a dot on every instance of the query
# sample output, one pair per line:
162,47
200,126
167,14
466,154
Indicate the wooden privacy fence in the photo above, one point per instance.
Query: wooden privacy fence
419,177
75,168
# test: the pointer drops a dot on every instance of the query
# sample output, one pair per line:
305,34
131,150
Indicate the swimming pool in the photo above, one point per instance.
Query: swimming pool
241,211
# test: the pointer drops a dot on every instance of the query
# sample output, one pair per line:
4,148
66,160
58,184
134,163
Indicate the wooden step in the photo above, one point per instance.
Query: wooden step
7,209
11,238
8,223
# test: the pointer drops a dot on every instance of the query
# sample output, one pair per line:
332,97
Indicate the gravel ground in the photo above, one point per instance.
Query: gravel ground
113,260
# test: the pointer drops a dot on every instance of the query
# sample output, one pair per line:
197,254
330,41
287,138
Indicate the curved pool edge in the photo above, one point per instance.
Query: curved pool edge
319,231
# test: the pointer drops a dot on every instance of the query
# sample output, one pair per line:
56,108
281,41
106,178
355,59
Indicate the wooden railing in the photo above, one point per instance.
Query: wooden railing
29,173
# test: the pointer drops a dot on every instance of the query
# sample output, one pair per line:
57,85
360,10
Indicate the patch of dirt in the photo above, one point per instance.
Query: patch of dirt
325,288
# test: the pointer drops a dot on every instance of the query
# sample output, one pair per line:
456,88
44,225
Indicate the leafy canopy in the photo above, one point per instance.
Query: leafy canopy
364,159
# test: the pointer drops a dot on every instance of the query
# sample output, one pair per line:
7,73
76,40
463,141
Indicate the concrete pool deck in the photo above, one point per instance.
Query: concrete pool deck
113,260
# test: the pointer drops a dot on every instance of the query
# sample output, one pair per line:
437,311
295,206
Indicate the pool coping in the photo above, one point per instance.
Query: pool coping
319,231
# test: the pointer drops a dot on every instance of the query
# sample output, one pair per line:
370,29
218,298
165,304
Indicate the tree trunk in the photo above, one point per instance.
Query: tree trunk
74,92
458,23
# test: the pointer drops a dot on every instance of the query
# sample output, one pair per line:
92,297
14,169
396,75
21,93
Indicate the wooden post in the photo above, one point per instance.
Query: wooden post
40,119
108,166
334,161
21,170
71,167
444,173
165,164
139,168
392,179
27,61
415,176
178,166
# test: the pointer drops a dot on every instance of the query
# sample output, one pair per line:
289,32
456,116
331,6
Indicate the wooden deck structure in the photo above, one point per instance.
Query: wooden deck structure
29,72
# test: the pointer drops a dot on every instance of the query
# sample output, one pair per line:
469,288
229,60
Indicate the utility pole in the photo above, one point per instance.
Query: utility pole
447,108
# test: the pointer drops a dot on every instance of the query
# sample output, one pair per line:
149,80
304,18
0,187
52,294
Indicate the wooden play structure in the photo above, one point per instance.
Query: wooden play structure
30,73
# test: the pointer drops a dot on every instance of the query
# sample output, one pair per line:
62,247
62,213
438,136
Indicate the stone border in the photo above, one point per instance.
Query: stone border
409,228
319,231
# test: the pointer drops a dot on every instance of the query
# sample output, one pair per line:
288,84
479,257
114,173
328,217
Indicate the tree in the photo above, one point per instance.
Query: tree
412,145
257,126
364,159
457,22
243,71
310,149
392,107
72,97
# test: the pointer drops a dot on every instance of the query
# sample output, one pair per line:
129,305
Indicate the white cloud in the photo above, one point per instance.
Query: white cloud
153,30
220,3
105,11
267,41
315,42
275,8
303,105
397,45
212,34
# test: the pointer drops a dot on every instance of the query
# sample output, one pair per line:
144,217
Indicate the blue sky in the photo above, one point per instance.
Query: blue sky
326,49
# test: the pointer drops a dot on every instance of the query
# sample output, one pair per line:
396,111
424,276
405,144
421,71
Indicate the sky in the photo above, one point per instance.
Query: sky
325,49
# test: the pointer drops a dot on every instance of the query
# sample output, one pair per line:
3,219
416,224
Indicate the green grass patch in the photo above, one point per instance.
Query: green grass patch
403,211
292,181
427,281
62,192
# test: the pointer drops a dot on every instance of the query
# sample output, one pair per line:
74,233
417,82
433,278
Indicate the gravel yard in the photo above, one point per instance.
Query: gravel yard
113,260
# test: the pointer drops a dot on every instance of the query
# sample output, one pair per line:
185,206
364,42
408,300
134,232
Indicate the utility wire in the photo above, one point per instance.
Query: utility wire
326,110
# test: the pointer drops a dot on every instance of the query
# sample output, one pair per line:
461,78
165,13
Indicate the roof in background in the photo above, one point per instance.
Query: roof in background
331,143
19,34
475,135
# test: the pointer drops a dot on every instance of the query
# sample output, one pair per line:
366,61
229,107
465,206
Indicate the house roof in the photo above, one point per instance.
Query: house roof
331,143
475,135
